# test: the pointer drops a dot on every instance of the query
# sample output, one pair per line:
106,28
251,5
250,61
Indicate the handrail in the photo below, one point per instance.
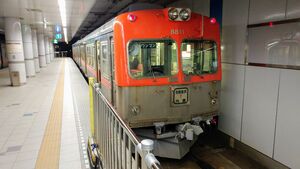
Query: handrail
128,129
115,138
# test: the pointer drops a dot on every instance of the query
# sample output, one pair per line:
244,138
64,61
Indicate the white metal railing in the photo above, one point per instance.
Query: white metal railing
118,145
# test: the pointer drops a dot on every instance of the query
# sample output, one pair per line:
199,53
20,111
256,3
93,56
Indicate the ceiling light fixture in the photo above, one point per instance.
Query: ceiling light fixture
45,23
65,35
62,11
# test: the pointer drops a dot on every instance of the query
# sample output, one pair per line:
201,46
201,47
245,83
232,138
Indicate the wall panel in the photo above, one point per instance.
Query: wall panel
279,44
234,31
232,99
287,144
260,104
293,9
261,11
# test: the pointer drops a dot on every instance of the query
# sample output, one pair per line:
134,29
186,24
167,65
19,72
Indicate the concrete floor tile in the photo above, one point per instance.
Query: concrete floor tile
8,158
27,155
6,165
31,147
25,164
70,164
72,156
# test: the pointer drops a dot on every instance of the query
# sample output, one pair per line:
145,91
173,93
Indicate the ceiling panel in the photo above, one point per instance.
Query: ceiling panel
33,12
104,10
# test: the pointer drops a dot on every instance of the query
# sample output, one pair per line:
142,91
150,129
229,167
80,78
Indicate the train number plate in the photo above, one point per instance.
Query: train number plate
180,96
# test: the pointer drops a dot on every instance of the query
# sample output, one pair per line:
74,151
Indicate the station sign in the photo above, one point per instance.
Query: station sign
57,28
58,36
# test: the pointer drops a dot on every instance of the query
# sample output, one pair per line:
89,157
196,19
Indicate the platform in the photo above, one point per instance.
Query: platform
45,123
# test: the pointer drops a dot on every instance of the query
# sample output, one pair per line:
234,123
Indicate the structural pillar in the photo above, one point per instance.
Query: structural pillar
41,49
47,49
14,49
35,50
51,50
28,51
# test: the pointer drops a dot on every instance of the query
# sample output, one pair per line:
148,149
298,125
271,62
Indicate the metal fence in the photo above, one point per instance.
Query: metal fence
119,147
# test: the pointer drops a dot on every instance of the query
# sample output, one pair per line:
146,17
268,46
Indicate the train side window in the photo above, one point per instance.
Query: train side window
152,58
93,57
199,57
98,53
105,59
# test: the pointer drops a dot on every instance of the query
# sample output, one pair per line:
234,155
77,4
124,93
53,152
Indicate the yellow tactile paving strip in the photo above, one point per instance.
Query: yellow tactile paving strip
49,153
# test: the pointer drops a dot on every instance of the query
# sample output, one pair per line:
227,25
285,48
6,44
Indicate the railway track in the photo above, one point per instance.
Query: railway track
211,155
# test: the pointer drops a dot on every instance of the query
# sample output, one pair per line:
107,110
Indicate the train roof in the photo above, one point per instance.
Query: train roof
107,28
104,29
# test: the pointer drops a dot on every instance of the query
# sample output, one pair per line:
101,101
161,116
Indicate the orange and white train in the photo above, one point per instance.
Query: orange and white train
161,70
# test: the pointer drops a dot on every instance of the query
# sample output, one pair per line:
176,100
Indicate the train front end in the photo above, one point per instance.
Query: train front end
168,73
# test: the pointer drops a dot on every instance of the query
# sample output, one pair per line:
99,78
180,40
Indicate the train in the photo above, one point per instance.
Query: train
161,71
3,56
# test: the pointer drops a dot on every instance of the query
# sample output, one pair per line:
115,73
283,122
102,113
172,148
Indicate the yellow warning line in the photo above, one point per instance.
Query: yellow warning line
49,152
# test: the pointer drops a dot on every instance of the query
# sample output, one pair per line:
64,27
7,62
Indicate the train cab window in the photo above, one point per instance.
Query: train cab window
152,58
199,57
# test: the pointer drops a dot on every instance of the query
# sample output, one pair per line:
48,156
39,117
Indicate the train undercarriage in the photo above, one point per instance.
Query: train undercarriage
174,141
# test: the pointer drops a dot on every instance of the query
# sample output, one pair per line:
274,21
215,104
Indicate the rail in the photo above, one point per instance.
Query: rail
118,145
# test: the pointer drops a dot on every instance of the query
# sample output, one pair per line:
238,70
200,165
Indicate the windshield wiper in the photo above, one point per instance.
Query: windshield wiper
152,72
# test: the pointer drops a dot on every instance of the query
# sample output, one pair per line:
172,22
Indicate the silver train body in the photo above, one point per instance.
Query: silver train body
149,110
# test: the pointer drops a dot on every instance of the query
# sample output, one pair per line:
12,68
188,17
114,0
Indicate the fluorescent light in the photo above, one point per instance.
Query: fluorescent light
45,23
62,11
65,34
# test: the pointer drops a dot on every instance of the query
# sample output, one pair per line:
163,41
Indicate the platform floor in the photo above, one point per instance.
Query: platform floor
45,123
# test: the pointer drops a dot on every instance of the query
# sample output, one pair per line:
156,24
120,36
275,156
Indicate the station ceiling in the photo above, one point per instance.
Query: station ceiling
82,16
34,12
103,10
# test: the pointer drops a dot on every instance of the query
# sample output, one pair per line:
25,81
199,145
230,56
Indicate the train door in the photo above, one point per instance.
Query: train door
83,59
79,55
4,56
1,57
98,60
113,82
105,69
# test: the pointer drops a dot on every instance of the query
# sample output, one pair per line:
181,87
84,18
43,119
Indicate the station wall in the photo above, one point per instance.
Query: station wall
260,101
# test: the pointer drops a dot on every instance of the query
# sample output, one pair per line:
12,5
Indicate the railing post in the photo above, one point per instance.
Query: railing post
145,149
91,83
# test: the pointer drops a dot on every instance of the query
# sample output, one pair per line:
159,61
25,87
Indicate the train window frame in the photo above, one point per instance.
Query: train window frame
105,73
204,40
151,77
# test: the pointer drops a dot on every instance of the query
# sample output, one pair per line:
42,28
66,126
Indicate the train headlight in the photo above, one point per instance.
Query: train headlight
179,14
184,14
173,13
